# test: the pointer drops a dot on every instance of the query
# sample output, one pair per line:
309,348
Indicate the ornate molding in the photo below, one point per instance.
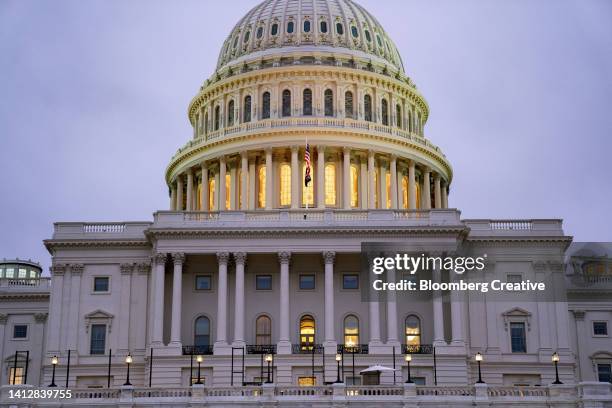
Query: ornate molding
517,315
126,268
41,317
58,269
159,258
178,258
240,257
579,314
329,257
143,268
284,257
76,269
3,318
223,257
99,316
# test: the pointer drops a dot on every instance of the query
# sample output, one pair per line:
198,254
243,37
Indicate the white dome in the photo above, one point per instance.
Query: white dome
316,27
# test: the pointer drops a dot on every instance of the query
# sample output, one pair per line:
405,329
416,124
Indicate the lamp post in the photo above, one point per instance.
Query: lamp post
555,359
408,359
199,359
338,360
128,361
478,358
269,361
54,361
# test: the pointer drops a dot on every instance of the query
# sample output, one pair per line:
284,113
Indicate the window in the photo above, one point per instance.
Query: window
418,195
230,113
354,31
259,32
290,27
98,339
307,102
101,284
350,281
409,120
307,192
263,331
263,282
307,26
228,191
201,333
368,36
398,116
261,195
211,194
274,29
203,282
339,28
246,37
246,110
384,108
388,188
217,113
348,104
413,331
285,184
22,273
351,330
20,331
307,282
265,102
330,184
354,186
10,272
604,372
329,102
367,106
379,41
235,41
16,375
600,328
405,192
514,278
323,26
517,337
307,333
307,381
286,103
206,123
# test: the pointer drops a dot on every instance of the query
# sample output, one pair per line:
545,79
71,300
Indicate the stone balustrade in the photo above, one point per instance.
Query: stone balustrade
25,284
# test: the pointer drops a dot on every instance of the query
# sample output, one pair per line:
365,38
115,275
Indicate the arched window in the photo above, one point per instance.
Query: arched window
217,113
409,121
379,41
384,112
348,104
274,30
354,186
246,37
308,192
201,332
246,109
388,188
206,123
265,105
263,331
339,28
329,102
259,32
307,333
290,27
307,102
330,184
351,330
367,106
286,103
285,184
306,26
211,194
354,31
398,116
405,192
413,331
368,36
261,196
323,26
230,113
419,124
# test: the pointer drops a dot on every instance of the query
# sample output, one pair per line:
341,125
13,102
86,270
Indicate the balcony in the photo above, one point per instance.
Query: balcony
417,349
307,349
25,285
532,227
197,350
100,230
261,349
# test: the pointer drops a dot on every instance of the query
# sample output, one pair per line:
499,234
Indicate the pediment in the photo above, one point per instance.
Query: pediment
99,314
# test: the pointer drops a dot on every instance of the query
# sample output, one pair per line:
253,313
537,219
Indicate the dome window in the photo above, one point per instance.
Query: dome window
236,41
339,28
246,113
290,27
265,109
323,26
307,102
379,40
385,112
368,36
260,32
367,106
247,36
274,29
286,103
329,102
307,26
354,32
348,104
230,113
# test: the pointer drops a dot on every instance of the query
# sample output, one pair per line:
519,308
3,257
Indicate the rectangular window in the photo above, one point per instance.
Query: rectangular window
307,282
20,331
517,337
350,281
23,273
263,282
514,278
98,339
10,273
349,380
203,282
307,381
16,375
604,372
101,284
600,328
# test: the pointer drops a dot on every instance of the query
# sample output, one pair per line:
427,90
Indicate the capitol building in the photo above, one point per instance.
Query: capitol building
247,289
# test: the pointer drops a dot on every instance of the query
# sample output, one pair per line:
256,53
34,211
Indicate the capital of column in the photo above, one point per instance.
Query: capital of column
76,269
178,258
329,257
41,317
295,149
240,258
57,269
3,318
223,257
159,258
126,268
143,268
284,257
346,150
321,148
437,177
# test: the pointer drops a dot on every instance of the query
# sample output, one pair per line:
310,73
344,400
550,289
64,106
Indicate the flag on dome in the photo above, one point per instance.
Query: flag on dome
307,177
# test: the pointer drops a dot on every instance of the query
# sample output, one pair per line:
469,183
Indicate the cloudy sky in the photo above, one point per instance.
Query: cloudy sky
93,98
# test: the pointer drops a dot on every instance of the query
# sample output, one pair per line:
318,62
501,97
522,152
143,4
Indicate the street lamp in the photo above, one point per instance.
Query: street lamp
269,361
54,361
555,359
338,360
408,359
128,361
478,358
199,359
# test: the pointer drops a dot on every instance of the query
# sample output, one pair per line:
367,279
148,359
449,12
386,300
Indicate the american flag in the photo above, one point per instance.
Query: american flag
307,178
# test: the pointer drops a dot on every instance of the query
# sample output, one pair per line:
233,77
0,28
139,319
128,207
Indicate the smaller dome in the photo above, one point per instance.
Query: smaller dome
311,26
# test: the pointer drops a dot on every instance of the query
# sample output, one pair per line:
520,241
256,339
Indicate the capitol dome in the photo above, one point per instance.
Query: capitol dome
300,80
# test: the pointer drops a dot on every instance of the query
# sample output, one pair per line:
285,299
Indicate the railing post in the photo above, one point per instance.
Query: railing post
267,392
409,390
198,393
127,393
338,392
481,395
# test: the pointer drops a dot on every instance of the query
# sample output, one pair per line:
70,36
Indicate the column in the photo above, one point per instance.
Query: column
438,312
222,192
158,300
374,317
411,186
320,186
382,185
189,190
179,193
233,190
371,181
240,258
222,258
3,320
124,305
269,179
437,192
284,345
177,299
392,339
328,258
346,178
426,194
394,181
444,195
173,197
295,178
244,180
457,302
204,193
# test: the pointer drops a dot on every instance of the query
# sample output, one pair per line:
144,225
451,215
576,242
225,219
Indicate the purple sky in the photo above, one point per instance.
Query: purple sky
93,99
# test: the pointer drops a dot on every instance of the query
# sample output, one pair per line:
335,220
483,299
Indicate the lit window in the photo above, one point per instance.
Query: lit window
98,339
307,333
354,31
263,282
203,282
308,192
10,273
211,194
199,195
339,28
16,375
274,29
388,185
517,337
307,282
101,284
413,331
350,281
246,113
307,102
290,27
307,381
228,186
323,26
604,372
405,192
286,103
20,331
600,328
265,110
285,184
418,196
329,102
351,330
330,184
307,26
384,107
354,186
261,195
263,331
23,273
230,113
367,105
348,104
201,335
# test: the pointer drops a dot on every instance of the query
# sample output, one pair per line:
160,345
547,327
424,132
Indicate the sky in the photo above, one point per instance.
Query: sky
94,94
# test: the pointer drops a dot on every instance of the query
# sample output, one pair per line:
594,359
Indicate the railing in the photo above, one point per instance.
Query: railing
183,392
518,392
446,391
373,390
261,349
417,349
96,393
25,284
302,391
307,348
197,350
353,348
250,391
111,228
511,225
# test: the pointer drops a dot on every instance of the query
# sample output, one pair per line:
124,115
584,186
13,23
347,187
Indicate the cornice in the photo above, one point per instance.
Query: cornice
492,240
31,296
52,244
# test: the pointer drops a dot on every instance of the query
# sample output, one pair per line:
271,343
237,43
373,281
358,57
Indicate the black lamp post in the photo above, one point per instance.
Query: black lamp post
269,361
478,358
199,359
408,360
54,361
555,359
128,361
338,360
